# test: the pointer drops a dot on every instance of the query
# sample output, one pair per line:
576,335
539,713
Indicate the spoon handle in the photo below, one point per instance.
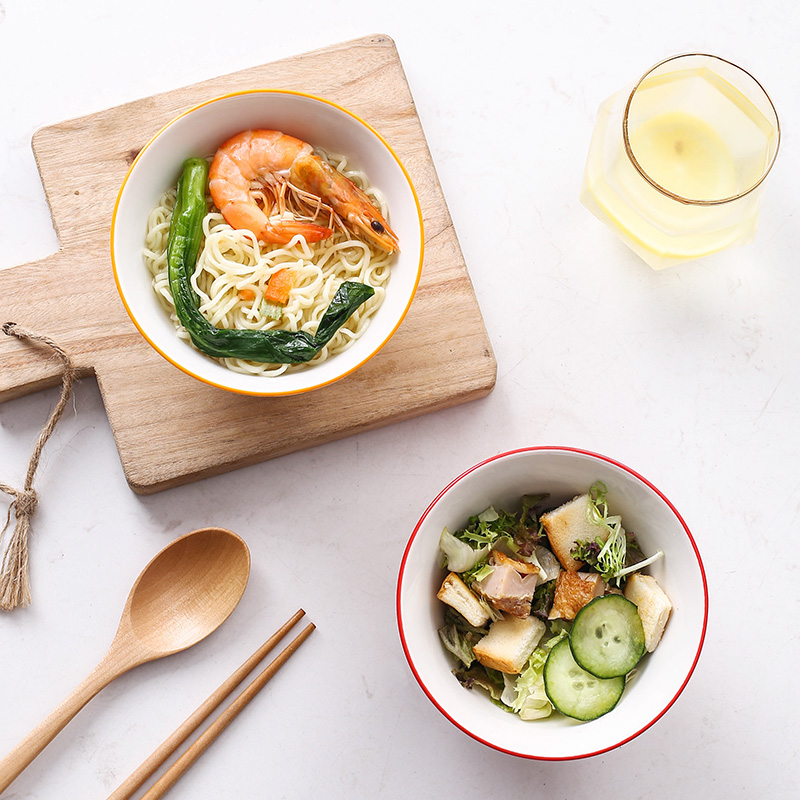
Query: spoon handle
44,733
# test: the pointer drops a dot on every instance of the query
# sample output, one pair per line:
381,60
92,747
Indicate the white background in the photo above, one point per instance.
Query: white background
689,376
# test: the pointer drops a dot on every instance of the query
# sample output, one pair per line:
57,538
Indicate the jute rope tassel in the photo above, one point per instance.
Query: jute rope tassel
14,584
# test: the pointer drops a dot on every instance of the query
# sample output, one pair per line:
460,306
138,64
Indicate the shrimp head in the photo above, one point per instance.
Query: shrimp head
352,205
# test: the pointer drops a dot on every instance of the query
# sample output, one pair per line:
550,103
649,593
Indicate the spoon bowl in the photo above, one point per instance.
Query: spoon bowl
185,593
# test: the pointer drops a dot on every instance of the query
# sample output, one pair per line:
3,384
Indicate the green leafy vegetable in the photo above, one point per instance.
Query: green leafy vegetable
480,571
486,527
486,678
522,531
458,555
531,701
272,346
543,597
271,310
613,552
459,637
588,551
530,503
608,550
459,644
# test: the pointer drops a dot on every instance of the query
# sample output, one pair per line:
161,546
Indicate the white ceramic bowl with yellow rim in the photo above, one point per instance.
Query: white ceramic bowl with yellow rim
199,132
563,473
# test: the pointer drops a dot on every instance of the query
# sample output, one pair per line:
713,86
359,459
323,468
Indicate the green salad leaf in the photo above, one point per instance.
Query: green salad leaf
486,678
486,527
543,597
459,637
458,555
459,644
480,571
522,531
614,553
531,701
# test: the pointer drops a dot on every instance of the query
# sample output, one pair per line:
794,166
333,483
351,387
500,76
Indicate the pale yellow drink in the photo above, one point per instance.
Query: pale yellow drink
697,148
686,155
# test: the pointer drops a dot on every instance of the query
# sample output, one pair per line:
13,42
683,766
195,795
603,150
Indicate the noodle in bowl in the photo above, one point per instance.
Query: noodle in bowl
234,266
234,261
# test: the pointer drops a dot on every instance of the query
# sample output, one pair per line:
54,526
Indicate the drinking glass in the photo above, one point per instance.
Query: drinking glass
676,164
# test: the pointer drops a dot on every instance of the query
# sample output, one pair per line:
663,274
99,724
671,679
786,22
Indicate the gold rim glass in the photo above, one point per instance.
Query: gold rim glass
742,89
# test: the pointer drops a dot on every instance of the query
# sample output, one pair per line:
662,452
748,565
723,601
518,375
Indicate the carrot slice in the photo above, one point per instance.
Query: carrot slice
279,286
247,295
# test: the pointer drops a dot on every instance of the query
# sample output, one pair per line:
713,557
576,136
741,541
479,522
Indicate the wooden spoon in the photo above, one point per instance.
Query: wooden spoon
187,591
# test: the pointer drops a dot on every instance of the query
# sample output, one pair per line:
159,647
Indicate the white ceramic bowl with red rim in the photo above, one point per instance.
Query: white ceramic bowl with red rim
564,473
199,132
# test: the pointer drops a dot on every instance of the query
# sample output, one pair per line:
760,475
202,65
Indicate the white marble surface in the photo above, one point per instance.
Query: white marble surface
690,376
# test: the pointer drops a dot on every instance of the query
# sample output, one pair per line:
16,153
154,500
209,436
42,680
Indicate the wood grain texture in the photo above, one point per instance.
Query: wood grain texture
170,428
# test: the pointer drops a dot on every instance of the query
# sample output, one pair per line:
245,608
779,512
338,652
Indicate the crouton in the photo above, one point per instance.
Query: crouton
457,594
573,591
509,643
653,604
568,524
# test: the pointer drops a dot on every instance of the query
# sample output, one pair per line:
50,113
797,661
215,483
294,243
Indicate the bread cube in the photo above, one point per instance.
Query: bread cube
509,643
653,605
568,524
457,594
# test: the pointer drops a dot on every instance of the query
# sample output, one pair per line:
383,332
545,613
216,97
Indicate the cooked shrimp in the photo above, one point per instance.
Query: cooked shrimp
273,161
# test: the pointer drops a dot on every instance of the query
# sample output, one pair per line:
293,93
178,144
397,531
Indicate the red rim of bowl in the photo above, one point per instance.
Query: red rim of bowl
410,660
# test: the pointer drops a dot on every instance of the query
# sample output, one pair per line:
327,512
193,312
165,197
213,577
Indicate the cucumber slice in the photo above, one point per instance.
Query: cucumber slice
607,638
575,692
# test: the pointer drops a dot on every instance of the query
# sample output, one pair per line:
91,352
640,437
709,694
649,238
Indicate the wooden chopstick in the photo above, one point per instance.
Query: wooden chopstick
126,789
201,744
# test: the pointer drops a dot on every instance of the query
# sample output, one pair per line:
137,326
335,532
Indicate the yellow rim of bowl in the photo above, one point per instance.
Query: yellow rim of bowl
322,383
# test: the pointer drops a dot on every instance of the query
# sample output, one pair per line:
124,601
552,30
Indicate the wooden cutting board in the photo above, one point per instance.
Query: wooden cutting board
170,428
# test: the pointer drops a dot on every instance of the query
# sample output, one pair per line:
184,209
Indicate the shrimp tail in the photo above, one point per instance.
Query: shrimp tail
242,213
283,230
